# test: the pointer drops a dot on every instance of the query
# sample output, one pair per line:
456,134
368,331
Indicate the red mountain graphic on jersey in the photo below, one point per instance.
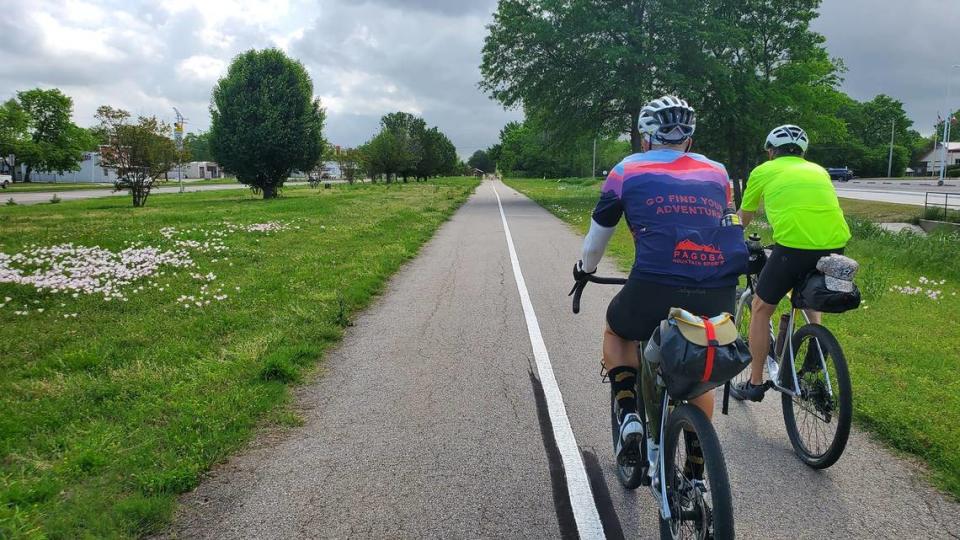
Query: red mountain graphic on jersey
690,245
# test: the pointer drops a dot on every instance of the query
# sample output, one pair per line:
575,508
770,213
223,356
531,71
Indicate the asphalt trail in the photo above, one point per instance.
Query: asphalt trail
429,421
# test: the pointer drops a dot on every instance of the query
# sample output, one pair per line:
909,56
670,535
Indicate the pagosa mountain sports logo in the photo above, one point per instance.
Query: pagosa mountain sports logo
691,253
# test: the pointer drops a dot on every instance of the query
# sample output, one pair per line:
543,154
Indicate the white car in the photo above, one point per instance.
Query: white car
4,180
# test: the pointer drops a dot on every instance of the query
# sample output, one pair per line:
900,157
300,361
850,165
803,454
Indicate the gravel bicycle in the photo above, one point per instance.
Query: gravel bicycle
695,508
816,394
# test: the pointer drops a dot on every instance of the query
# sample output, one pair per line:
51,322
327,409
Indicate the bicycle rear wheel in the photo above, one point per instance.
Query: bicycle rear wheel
818,420
632,473
701,508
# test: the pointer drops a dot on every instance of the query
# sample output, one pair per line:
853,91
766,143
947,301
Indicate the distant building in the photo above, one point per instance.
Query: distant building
331,169
930,163
198,169
90,172
326,169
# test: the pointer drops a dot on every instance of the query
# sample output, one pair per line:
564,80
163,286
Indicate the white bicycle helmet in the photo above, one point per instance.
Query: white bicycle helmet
667,120
788,134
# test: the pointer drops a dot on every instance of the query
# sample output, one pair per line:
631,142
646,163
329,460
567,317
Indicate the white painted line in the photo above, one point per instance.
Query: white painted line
578,485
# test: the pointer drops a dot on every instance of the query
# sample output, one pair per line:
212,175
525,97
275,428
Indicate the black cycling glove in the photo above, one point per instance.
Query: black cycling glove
578,273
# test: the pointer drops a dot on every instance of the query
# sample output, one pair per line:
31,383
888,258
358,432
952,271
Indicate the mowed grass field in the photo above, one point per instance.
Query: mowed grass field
903,344
20,187
110,408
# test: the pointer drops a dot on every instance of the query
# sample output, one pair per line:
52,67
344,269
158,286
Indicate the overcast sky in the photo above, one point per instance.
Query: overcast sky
370,57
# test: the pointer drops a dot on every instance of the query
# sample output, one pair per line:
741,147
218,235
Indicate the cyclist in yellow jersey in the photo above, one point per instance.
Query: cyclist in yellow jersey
802,207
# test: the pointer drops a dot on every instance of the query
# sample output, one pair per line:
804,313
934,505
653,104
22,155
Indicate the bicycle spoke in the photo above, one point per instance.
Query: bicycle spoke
815,407
689,503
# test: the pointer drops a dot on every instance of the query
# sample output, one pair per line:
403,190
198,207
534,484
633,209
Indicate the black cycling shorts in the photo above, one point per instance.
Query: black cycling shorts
639,307
785,270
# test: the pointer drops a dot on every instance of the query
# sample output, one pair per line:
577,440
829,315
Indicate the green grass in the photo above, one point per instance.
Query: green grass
902,349
940,214
106,417
881,212
207,182
20,187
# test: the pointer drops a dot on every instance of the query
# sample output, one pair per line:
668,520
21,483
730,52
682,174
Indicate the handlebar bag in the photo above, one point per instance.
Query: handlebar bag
814,294
696,354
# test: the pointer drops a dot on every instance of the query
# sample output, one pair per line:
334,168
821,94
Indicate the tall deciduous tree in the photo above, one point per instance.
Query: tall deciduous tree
13,130
481,160
591,65
140,153
389,153
408,132
265,121
349,161
198,144
55,142
438,155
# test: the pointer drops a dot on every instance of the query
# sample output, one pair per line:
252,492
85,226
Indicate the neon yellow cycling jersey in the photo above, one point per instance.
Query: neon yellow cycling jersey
800,203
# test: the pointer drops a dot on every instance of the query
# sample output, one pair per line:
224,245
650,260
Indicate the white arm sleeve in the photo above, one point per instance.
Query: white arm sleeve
594,245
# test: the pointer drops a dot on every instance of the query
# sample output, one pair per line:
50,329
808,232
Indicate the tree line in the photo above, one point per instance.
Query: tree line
404,147
265,124
583,69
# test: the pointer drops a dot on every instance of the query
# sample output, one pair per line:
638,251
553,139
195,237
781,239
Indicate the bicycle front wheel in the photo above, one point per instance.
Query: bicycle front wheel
818,419
698,494
742,320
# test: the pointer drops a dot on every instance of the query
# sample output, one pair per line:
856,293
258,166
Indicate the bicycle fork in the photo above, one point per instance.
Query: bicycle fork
656,466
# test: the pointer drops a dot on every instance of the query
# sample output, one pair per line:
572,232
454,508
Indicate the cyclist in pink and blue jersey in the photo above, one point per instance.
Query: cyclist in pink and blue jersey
673,201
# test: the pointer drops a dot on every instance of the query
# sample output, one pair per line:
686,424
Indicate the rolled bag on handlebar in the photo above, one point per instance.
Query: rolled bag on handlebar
696,355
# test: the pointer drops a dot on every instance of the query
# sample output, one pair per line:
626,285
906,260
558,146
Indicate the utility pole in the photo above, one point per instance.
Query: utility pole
593,169
178,139
893,125
946,148
946,125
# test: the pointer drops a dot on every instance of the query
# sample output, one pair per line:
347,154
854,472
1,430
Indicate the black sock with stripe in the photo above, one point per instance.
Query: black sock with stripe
693,468
624,381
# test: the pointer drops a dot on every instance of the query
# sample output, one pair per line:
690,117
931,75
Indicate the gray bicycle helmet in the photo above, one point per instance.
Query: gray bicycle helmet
667,120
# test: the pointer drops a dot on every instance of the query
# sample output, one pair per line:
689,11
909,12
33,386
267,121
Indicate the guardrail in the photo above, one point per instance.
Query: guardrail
935,201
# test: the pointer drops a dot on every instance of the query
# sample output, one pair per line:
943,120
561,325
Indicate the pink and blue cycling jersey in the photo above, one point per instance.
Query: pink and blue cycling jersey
673,203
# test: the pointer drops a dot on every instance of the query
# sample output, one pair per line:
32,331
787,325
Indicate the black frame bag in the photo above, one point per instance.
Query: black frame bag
696,354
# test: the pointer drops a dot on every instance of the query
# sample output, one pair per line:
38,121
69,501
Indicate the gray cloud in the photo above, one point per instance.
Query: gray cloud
370,57
903,49
366,58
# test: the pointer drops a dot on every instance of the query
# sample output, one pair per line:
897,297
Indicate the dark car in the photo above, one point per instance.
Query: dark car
842,174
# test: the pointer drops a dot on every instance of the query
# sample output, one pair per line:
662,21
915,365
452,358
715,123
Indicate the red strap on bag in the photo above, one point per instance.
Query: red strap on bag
711,348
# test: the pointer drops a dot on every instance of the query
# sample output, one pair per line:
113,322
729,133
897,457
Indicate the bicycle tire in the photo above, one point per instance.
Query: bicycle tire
843,398
629,477
721,509
741,318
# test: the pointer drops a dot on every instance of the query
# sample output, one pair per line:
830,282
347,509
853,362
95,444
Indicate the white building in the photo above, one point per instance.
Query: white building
198,169
930,163
90,172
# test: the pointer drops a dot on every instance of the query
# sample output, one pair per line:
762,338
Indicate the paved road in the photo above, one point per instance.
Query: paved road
911,192
36,197
437,417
